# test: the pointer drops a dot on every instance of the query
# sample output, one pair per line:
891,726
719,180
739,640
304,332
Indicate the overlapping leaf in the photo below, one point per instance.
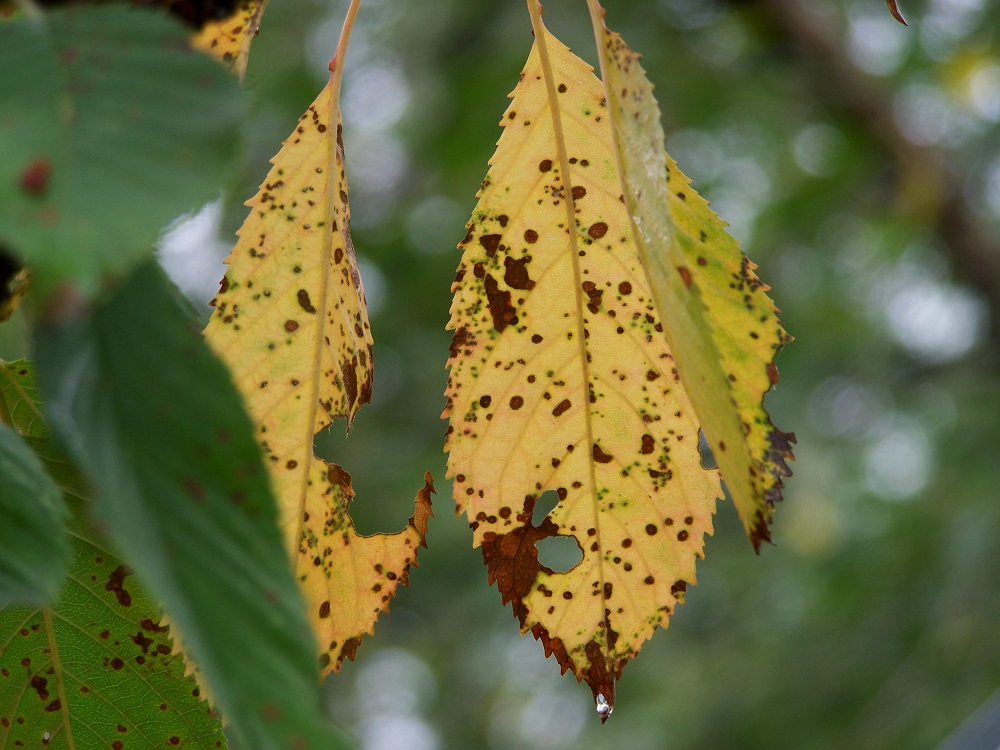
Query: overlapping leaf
721,326
33,547
291,322
179,486
561,380
97,669
110,127
228,39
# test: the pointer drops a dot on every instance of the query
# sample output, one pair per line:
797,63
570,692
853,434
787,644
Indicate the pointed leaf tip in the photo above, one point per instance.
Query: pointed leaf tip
894,9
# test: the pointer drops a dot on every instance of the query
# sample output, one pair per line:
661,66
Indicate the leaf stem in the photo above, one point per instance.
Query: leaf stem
337,63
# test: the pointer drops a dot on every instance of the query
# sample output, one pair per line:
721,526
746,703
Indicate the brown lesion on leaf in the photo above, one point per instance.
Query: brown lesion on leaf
499,304
516,273
116,583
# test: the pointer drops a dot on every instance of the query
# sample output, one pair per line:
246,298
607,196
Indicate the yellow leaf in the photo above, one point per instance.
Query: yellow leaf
720,324
291,323
561,380
228,39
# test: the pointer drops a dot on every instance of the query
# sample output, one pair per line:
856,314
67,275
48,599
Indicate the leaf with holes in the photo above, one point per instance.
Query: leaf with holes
228,39
722,328
562,380
290,321
96,669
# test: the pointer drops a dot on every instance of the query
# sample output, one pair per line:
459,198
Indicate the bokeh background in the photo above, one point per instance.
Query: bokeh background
858,162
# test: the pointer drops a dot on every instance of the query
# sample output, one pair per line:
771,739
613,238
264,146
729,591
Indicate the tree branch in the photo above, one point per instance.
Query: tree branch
925,173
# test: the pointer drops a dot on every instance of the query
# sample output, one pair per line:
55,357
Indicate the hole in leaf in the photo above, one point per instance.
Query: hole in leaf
559,553
707,456
543,506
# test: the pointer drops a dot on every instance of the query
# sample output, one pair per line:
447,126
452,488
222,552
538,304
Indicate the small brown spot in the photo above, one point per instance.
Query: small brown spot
598,230
722,446
648,444
685,275
600,456
567,595
117,663
116,584
516,402
626,543
536,339
579,191
304,302
35,177
324,610
649,580
561,408
545,165
702,261
530,236
291,326
562,88
682,535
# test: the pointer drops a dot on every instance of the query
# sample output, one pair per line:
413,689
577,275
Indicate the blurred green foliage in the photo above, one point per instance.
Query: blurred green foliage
852,174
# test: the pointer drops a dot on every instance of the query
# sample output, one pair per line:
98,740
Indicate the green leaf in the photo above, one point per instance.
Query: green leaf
20,407
97,670
154,420
33,546
100,651
110,126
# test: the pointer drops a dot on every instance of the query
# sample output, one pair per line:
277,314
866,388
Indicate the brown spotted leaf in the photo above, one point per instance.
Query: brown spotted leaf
96,669
228,39
721,326
562,380
290,322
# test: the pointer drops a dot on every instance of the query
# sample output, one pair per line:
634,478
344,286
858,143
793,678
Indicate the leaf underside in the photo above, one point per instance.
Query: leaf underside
97,668
561,379
719,322
291,322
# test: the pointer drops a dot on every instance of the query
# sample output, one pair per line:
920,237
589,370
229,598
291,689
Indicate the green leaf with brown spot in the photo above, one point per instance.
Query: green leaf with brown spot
153,419
97,669
111,125
562,381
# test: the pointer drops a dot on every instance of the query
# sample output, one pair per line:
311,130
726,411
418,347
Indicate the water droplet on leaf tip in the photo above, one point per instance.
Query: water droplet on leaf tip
604,708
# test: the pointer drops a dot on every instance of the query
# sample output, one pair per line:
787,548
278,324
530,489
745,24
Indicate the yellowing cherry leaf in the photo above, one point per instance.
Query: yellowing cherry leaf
290,321
721,326
228,39
562,380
